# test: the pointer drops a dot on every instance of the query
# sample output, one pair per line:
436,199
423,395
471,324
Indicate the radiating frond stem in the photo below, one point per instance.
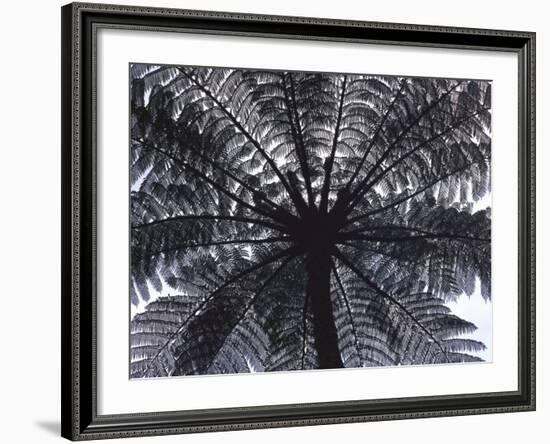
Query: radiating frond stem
390,298
411,195
368,186
294,194
232,176
212,182
348,308
199,217
426,353
268,240
375,135
296,128
351,197
151,147
329,162
348,235
273,258
253,299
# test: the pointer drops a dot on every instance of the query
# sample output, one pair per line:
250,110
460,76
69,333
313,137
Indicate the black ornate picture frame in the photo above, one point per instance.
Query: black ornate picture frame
80,212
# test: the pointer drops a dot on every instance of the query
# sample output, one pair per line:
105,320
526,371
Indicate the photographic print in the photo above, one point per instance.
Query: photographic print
287,220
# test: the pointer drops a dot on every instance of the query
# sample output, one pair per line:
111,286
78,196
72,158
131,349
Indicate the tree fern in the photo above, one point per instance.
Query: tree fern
304,220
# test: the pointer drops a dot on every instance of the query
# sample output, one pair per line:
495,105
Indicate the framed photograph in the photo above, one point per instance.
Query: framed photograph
280,221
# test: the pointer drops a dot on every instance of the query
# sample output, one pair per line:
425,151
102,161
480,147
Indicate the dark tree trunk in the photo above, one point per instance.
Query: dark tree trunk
318,291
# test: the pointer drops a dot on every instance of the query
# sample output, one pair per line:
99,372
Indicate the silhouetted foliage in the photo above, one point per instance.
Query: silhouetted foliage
305,220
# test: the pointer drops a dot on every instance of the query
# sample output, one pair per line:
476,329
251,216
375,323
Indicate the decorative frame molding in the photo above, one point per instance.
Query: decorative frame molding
80,22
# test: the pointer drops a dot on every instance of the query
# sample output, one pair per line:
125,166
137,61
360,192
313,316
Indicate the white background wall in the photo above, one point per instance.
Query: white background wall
30,221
